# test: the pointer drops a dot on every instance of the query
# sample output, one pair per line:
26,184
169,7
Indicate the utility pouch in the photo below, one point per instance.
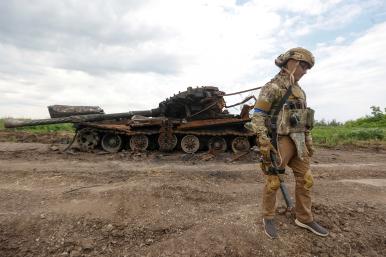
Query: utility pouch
310,118
291,121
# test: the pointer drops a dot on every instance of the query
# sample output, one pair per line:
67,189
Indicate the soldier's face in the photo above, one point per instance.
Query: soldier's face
301,69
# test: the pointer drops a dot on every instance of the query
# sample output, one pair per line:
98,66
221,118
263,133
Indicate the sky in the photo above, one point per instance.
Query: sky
125,55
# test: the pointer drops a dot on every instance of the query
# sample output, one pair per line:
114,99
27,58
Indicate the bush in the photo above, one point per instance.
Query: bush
366,134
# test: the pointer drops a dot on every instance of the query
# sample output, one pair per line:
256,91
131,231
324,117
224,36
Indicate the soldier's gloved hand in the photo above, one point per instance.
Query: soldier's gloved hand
309,144
257,125
265,147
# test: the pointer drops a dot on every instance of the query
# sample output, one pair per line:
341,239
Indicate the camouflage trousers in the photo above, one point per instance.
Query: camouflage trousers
304,181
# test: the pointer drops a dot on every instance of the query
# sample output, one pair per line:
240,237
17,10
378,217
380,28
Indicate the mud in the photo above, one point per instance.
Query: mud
156,204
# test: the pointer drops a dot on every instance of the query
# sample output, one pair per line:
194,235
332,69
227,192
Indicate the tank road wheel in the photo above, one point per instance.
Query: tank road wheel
87,139
167,142
240,144
217,144
139,142
111,143
190,144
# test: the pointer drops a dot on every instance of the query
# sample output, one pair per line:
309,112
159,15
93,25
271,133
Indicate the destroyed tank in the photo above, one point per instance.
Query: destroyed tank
192,120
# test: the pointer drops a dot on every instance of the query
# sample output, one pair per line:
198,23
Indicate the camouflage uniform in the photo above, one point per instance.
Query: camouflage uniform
294,142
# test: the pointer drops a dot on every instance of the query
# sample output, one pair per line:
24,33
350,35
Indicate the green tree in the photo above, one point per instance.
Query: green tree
376,111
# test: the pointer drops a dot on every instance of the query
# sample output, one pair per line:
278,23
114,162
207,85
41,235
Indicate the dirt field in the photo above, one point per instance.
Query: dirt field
125,204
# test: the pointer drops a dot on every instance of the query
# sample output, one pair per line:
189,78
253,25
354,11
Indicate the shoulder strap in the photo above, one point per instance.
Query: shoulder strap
276,113
282,101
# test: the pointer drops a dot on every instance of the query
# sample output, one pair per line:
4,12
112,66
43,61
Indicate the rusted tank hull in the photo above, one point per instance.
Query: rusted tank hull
167,135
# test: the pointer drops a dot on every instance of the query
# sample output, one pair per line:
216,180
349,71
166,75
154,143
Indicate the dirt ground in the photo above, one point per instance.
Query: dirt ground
157,204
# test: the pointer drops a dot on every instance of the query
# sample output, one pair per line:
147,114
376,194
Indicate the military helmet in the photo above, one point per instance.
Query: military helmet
298,53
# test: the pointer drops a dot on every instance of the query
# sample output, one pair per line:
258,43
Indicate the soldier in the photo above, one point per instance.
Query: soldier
294,142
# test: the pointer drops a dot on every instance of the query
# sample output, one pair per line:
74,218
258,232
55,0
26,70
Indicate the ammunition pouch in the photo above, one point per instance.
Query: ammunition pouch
310,118
294,120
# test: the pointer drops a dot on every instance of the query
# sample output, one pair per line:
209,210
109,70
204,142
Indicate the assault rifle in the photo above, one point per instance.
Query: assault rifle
274,169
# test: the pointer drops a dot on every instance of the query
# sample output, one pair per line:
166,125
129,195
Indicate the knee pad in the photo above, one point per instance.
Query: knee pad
308,180
273,182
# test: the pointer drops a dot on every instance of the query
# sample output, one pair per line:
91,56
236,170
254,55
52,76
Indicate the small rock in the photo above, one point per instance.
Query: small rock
109,227
346,229
319,244
75,253
54,148
86,244
360,210
42,216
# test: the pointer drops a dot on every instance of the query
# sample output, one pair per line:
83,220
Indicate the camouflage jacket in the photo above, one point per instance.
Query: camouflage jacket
269,98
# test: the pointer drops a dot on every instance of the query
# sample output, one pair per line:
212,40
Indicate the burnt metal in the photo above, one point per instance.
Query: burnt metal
190,144
240,144
190,120
58,111
111,142
139,142
217,144
87,139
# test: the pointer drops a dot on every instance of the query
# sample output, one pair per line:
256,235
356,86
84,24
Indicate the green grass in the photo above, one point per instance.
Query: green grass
338,135
65,127
362,131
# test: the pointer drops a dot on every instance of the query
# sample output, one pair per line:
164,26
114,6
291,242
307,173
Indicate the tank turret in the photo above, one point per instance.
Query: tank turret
192,104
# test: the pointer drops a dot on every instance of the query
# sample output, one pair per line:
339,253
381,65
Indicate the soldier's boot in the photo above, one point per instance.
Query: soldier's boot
313,227
270,228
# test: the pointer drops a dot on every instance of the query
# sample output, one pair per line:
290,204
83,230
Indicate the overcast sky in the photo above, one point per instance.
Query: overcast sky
129,55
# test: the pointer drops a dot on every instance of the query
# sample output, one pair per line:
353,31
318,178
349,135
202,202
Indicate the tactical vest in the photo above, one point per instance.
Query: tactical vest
294,116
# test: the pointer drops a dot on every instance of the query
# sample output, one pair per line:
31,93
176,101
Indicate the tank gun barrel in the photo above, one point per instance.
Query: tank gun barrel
15,123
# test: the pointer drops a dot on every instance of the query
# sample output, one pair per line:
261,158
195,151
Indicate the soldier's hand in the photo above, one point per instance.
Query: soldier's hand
265,147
